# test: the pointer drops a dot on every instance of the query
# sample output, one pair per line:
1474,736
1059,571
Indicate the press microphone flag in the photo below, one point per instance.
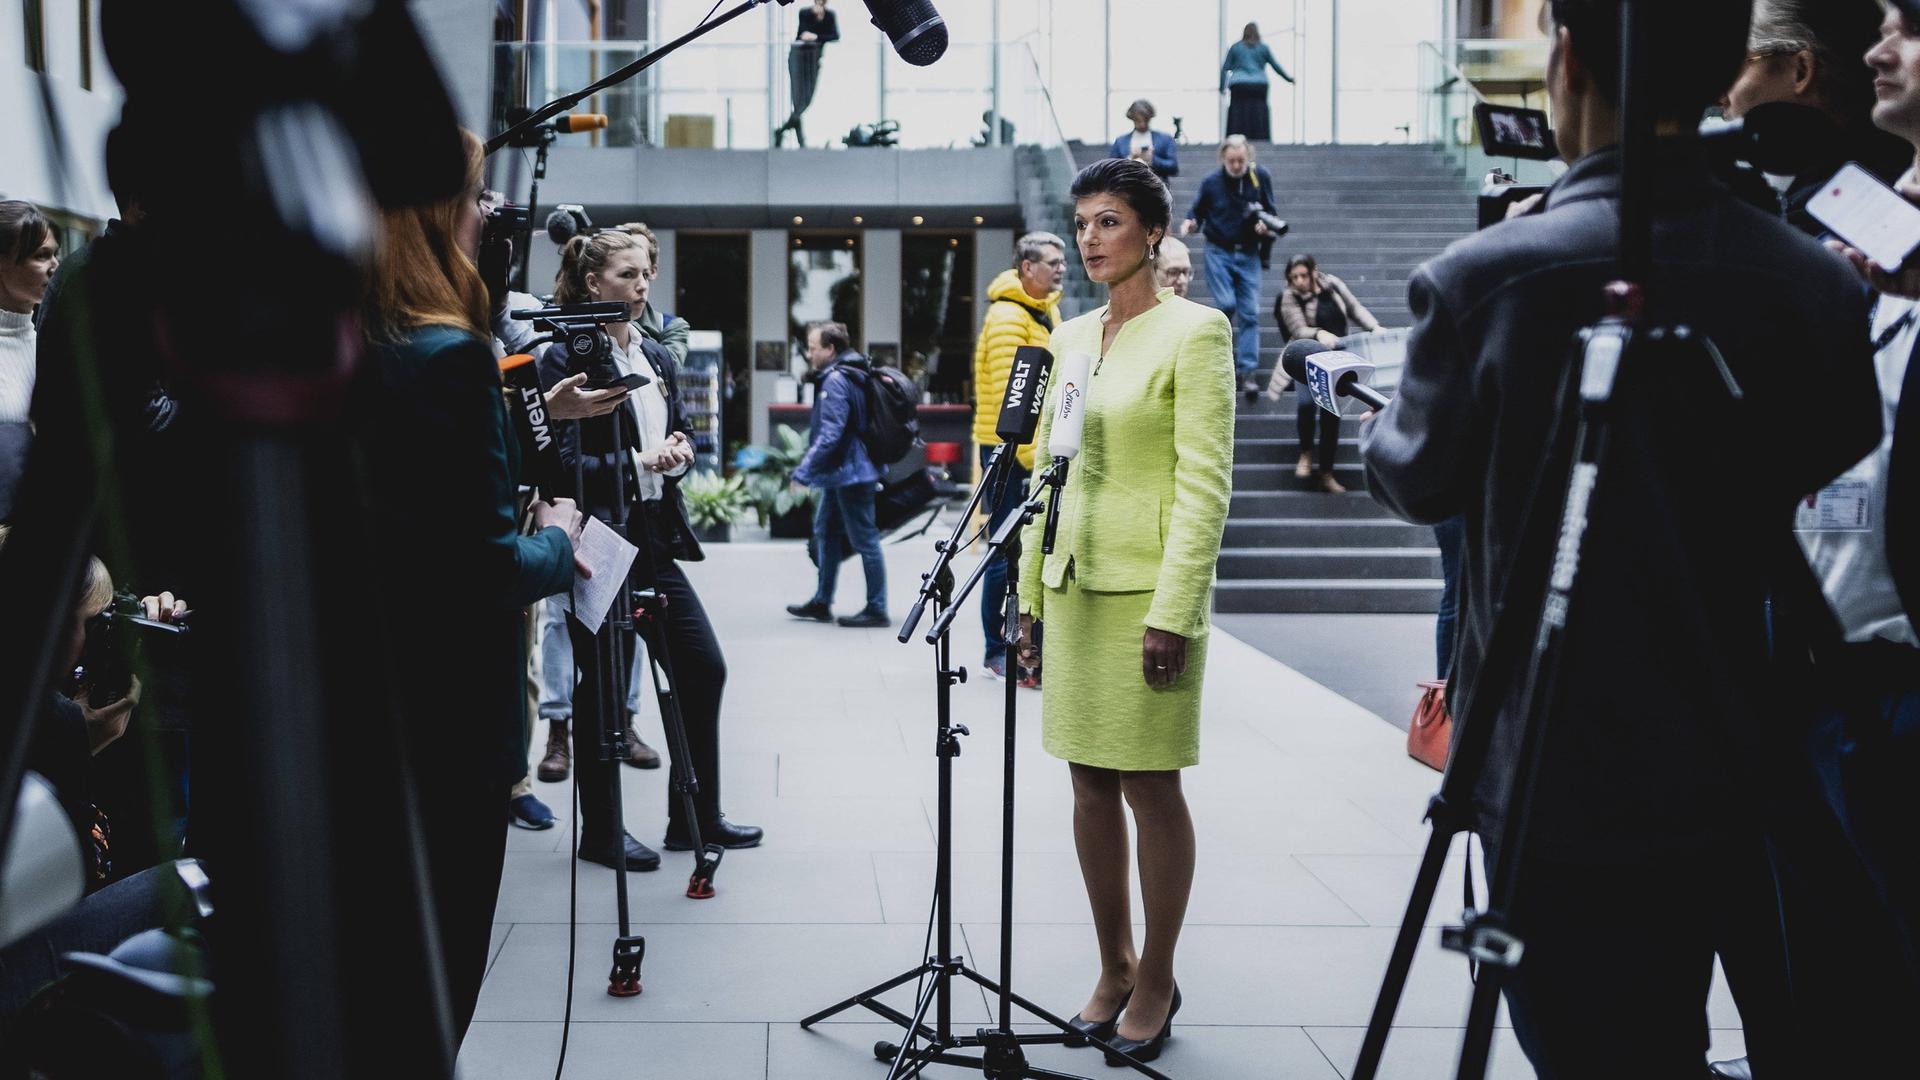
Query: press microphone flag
1063,437
917,31
1070,411
528,405
1026,395
1330,376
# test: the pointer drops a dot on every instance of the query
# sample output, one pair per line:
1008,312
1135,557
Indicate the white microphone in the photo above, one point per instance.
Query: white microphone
1071,374
1070,409
1330,376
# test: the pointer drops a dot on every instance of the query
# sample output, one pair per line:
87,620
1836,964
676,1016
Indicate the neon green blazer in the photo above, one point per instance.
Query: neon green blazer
1146,499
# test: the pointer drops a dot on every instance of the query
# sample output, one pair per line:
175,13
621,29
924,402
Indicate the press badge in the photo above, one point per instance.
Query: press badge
1842,506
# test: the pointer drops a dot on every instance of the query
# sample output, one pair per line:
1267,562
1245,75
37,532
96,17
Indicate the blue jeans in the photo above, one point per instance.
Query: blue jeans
848,511
1452,535
993,588
556,665
1233,277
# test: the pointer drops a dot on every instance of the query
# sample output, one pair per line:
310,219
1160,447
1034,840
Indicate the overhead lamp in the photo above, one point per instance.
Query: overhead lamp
858,220
978,220
918,220
798,220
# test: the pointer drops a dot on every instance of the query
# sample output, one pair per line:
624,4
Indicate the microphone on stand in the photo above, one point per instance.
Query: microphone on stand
1020,409
1063,438
538,447
917,31
1329,376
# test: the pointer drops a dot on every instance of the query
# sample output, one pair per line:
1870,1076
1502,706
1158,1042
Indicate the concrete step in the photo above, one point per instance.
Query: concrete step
1351,563
1311,532
1266,505
1266,452
1254,479
1417,596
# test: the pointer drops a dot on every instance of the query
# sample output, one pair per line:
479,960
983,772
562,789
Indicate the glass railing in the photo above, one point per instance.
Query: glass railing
735,96
1502,72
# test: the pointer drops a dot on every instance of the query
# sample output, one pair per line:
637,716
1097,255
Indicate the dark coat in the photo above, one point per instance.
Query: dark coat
673,534
1667,636
1224,208
444,465
836,432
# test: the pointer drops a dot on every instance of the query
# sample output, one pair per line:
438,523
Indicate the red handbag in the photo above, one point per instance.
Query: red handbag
1431,732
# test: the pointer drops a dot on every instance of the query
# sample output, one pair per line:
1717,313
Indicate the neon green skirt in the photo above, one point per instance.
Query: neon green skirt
1095,706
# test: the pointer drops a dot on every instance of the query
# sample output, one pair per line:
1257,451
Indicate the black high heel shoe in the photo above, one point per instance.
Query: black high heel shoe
1097,1029
1148,1049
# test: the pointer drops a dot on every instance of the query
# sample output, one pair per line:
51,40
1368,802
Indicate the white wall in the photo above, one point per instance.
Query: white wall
66,171
767,315
880,287
460,35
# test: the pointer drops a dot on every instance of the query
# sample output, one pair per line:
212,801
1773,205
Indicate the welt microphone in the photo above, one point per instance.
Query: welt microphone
1020,409
1063,437
534,427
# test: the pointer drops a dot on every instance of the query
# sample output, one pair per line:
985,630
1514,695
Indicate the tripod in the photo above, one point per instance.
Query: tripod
640,611
1002,1056
1488,937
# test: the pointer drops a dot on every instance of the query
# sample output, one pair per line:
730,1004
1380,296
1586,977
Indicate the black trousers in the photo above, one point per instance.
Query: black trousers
1247,112
803,77
1619,959
1310,416
700,672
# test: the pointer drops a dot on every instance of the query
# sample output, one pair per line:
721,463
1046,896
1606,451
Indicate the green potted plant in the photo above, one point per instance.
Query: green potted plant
787,514
714,503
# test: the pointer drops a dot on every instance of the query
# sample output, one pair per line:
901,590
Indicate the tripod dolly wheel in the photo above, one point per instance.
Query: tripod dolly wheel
700,885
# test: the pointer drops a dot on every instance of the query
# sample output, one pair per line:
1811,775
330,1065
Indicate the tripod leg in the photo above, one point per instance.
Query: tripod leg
680,764
935,987
1412,924
1477,1046
865,997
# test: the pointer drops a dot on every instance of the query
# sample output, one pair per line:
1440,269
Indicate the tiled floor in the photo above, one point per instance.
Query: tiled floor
1307,808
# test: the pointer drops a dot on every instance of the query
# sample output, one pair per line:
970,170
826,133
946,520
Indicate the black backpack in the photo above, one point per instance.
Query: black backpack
892,410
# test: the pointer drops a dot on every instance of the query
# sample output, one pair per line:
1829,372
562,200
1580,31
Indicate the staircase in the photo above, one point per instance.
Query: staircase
1369,214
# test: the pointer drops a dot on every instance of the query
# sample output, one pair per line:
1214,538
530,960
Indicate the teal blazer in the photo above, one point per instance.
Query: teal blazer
1146,499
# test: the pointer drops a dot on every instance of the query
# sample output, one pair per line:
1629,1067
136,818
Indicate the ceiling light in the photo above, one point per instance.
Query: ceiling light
918,220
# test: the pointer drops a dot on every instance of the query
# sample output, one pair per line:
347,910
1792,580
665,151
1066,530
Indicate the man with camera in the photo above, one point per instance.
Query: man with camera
1644,851
1235,212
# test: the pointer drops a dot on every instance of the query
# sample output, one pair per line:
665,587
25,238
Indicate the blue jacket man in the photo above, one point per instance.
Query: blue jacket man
838,467
1237,245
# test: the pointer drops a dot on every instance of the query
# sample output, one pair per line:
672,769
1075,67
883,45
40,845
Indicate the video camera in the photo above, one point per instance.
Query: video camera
884,133
120,639
581,330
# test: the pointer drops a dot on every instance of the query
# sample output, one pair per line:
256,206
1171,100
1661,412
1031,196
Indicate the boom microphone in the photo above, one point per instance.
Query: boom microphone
917,31
1063,437
1330,376
567,221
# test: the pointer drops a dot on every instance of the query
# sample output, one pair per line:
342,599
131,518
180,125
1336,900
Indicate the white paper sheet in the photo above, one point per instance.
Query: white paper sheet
610,557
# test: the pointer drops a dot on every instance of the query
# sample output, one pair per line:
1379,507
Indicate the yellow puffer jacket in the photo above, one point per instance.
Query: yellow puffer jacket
1009,324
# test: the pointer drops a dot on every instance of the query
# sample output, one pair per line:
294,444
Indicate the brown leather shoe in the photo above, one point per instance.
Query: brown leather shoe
1331,486
639,754
559,760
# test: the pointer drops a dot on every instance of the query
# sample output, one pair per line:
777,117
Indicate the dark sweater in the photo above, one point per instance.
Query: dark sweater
1224,207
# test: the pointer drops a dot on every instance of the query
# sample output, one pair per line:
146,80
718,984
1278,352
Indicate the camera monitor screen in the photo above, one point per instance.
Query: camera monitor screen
1511,131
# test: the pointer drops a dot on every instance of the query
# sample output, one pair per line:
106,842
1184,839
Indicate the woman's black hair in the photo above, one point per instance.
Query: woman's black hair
1308,261
23,228
1132,181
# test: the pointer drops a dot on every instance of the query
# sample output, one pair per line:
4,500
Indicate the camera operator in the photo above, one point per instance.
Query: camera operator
446,483
1808,52
650,445
1644,851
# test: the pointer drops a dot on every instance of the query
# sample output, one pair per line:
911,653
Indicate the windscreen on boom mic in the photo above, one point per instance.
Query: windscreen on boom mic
1329,376
567,221
575,123
917,31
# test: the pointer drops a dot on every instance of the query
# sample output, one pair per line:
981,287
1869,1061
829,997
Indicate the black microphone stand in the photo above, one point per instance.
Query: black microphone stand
1487,937
1002,1054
